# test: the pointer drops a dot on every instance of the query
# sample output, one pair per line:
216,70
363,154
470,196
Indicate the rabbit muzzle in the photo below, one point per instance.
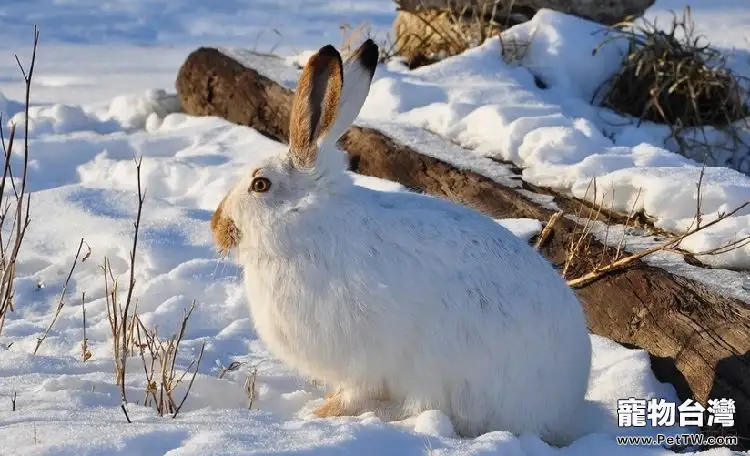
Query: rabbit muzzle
225,231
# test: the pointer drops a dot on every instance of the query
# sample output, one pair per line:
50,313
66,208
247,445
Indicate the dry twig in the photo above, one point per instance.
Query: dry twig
159,359
672,242
547,230
61,300
233,366
192,379
122,322
14,204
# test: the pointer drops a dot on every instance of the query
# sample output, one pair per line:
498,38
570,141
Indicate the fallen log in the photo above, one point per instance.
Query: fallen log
698,340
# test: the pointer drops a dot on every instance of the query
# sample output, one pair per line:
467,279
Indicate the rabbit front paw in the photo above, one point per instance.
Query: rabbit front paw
349,403
332,406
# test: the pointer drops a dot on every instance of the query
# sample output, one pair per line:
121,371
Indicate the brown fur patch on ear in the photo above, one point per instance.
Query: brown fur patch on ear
315,105
226,234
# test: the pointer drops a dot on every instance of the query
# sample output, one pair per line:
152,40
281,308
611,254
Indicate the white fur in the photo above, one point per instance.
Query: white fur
406,303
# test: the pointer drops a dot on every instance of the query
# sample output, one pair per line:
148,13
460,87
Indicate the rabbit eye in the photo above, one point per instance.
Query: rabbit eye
260,185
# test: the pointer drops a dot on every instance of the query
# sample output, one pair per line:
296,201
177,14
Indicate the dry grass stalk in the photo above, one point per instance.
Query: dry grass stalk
131,282
604,266
352,37
581,237
673,77
192,379
15,202
85,352
121,327
250,387
250,380
275,46
121,321
148,342
513,50
13,401
430,35
111,287
61,300
159,359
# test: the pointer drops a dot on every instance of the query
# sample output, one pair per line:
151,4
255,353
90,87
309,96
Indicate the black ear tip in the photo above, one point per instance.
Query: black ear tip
369,54
329,51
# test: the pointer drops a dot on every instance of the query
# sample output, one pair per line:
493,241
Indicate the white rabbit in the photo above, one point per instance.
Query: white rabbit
400,302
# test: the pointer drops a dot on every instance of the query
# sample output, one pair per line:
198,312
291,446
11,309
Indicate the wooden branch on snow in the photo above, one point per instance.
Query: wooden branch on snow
699,341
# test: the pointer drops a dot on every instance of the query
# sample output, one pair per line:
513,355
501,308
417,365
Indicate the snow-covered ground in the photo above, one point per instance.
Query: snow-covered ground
102,91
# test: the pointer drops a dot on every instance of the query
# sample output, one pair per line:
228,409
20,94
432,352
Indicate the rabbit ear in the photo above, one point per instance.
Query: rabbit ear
359,69
315,106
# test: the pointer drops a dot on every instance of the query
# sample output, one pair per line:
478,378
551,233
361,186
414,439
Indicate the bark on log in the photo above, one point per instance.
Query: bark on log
605,12
699,341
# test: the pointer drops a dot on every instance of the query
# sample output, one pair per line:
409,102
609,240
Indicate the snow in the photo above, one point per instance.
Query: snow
104,94
523,228
434,423
125,112
559,49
